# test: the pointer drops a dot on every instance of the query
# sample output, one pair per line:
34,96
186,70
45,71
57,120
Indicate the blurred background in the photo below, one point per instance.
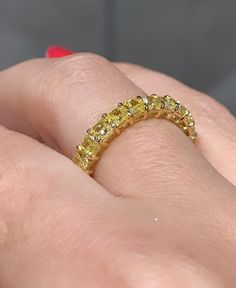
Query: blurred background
192,40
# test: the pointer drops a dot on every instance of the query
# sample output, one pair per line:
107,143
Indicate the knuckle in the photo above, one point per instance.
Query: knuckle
79,69
85,72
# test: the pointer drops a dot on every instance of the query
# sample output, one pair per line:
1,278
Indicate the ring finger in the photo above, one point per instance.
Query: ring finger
57,100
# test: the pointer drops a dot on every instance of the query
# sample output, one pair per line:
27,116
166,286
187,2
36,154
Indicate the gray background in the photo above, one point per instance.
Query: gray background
192,40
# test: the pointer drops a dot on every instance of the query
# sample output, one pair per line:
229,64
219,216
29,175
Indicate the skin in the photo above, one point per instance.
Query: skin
159,212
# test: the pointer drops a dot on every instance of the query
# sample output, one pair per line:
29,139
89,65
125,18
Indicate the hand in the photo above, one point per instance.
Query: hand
161,211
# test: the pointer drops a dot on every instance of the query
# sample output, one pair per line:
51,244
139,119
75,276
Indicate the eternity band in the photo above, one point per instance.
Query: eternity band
124,115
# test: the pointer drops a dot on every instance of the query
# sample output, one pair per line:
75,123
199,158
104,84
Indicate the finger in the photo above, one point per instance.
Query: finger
216,126
50,212
58,100
24,162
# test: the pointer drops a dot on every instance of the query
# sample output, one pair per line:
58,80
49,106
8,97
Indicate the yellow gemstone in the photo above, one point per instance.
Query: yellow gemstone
170,104
90,147
103,129
119,117
135,107
82,161
182,111
188,120
113,118
155,105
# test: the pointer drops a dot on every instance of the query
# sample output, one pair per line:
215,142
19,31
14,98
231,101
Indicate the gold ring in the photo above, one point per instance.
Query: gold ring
126,114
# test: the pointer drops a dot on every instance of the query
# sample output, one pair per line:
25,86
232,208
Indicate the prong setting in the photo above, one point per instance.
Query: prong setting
127,114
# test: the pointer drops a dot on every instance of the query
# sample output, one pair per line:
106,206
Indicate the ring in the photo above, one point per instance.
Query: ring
124,115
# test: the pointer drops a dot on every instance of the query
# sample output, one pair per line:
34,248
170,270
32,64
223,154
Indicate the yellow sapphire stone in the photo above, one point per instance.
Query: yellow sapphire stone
169,107
90,147
155,105
126,114
82,161
135,108
119,116
103,129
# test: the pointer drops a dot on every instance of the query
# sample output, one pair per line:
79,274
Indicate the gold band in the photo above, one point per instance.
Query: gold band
127,113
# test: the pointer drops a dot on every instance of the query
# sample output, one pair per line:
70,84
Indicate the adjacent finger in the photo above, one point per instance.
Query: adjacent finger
50,213
216,126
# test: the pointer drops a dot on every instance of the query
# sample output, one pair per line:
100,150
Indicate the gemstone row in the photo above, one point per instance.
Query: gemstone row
124,115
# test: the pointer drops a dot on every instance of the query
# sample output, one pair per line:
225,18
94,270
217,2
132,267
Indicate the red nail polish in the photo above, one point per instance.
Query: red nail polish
57,52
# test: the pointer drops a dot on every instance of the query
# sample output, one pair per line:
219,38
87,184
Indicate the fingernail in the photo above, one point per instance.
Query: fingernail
57,52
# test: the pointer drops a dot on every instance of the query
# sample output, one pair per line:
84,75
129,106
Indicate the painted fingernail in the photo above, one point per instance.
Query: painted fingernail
57,52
